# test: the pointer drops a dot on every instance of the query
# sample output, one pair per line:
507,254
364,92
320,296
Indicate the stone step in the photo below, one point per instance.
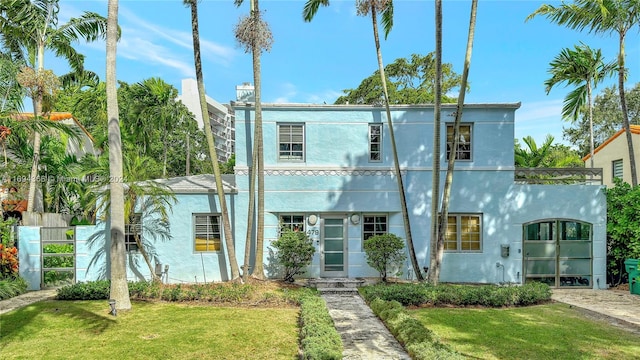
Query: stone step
337,291
334,283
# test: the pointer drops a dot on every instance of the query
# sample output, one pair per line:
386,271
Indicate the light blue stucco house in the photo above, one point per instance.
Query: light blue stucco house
329,172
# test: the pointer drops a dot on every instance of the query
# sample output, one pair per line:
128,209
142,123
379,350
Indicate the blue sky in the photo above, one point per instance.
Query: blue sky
313,62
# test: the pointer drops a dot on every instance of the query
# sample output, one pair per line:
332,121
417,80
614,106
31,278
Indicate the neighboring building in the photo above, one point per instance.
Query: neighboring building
613,156
220,116
328,172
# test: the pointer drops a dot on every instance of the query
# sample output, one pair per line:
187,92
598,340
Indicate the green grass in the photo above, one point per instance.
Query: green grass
552,331
152,330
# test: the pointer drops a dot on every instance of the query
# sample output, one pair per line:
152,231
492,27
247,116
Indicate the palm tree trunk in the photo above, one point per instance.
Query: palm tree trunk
625,114
591,142
119,290
258,270
448,183
434,266
394,150
226,223
145,256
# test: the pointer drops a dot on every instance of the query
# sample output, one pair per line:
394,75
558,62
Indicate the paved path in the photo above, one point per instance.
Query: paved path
618,305
364,336
26,299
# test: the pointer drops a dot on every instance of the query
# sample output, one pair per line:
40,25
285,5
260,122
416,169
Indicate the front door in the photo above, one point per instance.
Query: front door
333,247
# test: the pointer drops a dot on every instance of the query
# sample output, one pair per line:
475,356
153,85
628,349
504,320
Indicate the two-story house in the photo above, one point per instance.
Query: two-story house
328,171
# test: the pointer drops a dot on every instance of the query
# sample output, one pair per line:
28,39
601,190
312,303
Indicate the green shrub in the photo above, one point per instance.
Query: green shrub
406,294
93,290
419,341
383,252
12,287
459,295
294,251
319,338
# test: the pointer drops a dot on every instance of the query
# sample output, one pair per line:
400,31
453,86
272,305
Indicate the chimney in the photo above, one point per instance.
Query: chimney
245,93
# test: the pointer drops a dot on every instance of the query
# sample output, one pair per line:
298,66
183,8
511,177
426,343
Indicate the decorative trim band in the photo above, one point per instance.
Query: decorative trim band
316,172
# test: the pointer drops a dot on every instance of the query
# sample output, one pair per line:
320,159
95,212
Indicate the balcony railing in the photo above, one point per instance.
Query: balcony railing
584,176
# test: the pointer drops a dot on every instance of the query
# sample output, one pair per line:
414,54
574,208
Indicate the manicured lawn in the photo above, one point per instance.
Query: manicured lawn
552,331
153,330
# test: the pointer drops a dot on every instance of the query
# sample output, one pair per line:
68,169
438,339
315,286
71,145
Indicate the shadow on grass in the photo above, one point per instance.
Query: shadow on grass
53,314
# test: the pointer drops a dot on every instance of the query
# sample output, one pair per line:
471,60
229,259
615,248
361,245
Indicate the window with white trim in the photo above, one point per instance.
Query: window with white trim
375,142
207,233
294,222
132,230
374,225
616,169
291,142
463,151
464,233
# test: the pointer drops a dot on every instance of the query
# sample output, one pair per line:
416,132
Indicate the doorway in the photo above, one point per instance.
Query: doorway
558,253
333,246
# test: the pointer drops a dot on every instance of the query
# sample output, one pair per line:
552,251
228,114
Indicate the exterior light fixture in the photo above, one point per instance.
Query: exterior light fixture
112,305
312,220
355,219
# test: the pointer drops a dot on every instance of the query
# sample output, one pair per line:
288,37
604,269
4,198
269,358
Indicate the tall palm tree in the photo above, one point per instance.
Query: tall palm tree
602,16
30,27
385,8
444,211
583,67
226,222
119,290
433,274
254,34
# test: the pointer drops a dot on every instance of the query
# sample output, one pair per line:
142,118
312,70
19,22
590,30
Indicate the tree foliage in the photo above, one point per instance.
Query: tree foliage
384,252
410,81
607,118
294,252
546,155
623,228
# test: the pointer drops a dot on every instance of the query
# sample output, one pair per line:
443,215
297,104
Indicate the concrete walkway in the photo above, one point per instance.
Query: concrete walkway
364,336
25,299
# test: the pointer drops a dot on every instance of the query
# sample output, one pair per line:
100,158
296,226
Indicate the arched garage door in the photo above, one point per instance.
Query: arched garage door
558,252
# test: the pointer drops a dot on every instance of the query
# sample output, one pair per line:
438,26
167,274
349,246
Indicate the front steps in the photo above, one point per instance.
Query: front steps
336,286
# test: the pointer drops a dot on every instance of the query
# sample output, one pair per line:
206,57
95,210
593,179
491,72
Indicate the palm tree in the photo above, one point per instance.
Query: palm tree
602,16
30,27
434,275
385,8
119,288
533,155
226,222
254,34
584,68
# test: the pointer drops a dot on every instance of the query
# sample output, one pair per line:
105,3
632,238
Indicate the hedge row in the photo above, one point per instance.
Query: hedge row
419,341
319,338
459,295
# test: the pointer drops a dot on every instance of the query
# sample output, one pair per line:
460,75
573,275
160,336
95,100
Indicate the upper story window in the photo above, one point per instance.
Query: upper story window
291,142
464,233
207,234
133,231
375,142
464,142
616,169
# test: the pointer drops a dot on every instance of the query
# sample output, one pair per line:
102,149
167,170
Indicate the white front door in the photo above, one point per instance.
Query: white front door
333,246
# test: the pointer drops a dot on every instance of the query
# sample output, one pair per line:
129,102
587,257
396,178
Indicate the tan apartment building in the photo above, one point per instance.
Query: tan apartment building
613,156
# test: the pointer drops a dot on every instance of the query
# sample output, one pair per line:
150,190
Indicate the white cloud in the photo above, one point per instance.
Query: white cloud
534,111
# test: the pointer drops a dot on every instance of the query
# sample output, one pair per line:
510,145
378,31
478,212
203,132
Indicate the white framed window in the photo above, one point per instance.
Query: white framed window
616,169
207,233
375,142
374,224
294,222
132,230
464,233
465,142
291,142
